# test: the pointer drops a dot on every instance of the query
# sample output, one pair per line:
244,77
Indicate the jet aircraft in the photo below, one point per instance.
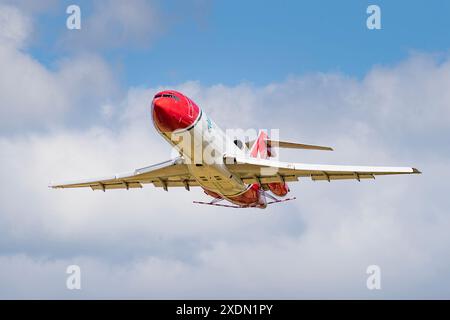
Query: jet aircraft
246,174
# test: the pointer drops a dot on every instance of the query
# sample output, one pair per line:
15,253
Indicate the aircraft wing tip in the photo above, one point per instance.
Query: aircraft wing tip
53,185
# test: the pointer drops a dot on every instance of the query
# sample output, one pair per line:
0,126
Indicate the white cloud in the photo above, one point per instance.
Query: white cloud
134,24
14,27
115,23
31,6
34,96
149,243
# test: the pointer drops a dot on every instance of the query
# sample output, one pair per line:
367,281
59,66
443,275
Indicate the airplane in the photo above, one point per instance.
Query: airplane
240,172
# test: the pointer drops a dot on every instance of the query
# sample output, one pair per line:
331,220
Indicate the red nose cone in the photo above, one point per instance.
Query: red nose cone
172,112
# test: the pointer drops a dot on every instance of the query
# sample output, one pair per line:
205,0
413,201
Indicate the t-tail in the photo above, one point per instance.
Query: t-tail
264,147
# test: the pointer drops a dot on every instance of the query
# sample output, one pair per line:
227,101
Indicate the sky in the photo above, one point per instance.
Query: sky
75,103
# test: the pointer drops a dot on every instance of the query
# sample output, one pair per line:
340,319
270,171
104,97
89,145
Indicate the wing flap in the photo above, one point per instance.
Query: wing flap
177,183
327,177
171,173
120,185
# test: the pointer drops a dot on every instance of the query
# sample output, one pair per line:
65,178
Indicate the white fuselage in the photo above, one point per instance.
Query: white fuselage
203,146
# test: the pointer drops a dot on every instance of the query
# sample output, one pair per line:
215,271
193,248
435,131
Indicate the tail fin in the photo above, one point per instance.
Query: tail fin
259,147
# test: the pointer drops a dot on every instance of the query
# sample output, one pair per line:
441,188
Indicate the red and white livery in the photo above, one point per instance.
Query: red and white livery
242,173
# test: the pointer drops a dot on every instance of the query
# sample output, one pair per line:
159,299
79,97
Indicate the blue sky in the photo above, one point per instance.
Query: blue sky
259,42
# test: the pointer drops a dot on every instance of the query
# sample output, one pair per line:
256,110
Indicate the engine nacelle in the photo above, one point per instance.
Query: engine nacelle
279,188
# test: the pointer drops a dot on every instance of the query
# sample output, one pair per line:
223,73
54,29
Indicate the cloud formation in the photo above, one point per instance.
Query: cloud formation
114,24
14,26
149,243
34,96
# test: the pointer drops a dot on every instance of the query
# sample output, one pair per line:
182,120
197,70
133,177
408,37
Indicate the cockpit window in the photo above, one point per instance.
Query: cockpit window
167,95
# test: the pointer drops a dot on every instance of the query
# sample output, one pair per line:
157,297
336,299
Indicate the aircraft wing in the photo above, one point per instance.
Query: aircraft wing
171,173
254,170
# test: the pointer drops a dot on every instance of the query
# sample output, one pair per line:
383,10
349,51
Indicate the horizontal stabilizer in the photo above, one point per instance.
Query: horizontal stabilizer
291,145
